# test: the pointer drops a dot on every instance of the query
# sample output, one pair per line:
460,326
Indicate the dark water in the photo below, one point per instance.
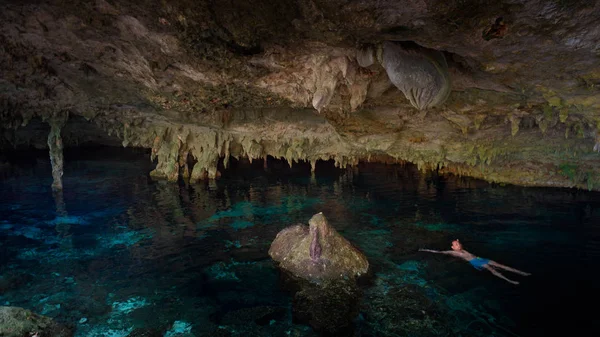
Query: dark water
119,251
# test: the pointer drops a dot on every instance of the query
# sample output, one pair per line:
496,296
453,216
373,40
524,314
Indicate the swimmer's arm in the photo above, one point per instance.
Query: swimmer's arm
449,252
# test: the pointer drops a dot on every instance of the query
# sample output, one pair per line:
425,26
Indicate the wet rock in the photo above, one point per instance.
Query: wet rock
19,322
317,252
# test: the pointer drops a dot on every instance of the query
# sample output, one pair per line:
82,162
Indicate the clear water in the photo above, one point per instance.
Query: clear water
121,252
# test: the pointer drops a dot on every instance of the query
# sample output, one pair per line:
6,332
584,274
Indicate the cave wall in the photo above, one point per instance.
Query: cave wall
307,80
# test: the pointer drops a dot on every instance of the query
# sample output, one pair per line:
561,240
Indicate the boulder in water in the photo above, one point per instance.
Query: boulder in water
317,252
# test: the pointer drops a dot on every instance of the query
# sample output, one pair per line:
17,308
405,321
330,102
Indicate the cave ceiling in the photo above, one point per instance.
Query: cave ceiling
507,91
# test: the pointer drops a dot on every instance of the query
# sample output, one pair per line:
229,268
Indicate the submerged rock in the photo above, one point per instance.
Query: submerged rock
19,322
397,308
317,252
260,315
145,332
329,309
13,280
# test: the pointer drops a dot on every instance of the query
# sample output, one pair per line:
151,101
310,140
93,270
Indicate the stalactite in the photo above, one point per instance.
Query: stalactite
226,153
125,134
55,148
175,146
420,73
515,121
365,56
184,169
358,94
206,166
252,149
166,150
330,74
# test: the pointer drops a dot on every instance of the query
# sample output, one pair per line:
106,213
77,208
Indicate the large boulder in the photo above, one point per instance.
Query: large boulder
317,252
19,322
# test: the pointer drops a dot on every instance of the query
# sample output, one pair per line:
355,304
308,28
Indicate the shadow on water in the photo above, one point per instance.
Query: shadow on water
118,252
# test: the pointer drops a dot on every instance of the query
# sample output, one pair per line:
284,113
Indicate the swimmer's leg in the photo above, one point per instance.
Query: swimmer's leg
498,265
497,273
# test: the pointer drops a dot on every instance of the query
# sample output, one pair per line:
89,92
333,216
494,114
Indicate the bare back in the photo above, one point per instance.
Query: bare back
463,254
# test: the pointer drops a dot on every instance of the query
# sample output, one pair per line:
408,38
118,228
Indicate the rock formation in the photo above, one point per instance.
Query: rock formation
421,74
19,322
505,91
321,268
317,252
55,146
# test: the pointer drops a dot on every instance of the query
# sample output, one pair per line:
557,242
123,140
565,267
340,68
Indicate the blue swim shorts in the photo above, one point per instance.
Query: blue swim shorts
478,263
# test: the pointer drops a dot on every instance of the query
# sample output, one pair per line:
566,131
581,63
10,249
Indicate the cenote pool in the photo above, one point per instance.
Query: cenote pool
119,254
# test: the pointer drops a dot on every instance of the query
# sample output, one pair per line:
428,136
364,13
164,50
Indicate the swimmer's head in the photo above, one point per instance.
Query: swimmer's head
456,245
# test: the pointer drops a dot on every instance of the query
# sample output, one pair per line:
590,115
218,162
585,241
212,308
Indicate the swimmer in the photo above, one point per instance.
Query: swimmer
478,262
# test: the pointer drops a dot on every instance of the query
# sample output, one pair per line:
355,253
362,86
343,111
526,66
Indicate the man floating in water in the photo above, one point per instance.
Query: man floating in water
477,262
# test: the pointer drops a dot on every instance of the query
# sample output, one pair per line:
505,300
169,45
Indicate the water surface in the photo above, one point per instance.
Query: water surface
118,251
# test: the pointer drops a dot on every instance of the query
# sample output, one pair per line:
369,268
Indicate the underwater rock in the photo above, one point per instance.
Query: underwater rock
420,73
329,309
13,280
180,329
261,315
396,308
145,332
317,252
19,322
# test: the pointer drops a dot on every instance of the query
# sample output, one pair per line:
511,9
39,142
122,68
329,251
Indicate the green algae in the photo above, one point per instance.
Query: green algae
581,177
570,171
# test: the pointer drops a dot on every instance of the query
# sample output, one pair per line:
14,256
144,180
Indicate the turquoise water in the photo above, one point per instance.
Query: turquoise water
119,252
